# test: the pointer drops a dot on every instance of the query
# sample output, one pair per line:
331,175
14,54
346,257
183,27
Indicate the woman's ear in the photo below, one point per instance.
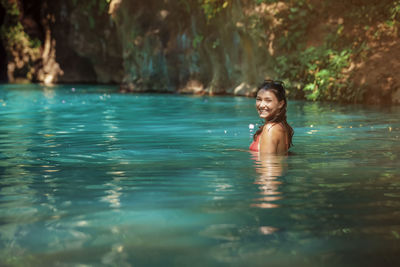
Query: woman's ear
281,103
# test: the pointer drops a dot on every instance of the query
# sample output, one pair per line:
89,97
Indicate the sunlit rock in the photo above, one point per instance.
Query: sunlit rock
244,89
192,87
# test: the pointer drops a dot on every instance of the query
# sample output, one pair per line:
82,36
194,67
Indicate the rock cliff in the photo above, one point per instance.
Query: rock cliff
332,50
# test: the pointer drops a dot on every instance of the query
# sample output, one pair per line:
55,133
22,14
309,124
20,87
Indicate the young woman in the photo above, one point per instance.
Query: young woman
275,135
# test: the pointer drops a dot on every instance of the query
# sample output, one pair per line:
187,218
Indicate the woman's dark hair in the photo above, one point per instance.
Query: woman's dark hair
277,87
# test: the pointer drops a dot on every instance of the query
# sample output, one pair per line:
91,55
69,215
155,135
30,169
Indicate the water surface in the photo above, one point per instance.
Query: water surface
92,177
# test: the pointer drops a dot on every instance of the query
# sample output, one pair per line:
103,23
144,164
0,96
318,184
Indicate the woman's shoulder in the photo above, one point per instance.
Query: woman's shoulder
275,128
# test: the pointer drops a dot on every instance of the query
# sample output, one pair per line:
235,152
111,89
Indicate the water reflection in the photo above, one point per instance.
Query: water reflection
269,168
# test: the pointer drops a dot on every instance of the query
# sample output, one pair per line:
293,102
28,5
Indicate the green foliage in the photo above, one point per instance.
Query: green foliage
211,8
92,8
11,8
197,40
395,10
295,23
35,43
394,18
320,70
13,32
20,47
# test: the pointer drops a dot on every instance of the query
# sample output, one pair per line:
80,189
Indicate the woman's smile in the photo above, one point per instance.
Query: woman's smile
263,111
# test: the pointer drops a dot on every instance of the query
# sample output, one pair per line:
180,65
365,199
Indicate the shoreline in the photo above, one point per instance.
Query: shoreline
121,89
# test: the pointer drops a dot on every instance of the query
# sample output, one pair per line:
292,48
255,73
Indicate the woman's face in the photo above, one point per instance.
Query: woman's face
267,104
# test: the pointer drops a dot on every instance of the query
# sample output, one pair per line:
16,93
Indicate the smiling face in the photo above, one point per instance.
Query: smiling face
267,104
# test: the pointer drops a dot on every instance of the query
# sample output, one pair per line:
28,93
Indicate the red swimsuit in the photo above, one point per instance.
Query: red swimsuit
254,144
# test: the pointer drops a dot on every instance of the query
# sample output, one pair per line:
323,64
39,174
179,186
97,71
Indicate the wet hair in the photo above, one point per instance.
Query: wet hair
276,87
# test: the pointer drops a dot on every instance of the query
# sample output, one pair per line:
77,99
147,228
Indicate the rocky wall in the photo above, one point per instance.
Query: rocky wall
3,55
172,46
143,45
203,47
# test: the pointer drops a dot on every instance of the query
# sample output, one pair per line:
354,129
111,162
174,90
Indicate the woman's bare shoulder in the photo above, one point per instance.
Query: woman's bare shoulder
276,128
272,132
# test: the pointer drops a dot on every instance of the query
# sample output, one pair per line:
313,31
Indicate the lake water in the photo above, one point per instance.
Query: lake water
91,177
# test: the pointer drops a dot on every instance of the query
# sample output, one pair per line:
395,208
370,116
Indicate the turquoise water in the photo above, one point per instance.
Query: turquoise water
91,177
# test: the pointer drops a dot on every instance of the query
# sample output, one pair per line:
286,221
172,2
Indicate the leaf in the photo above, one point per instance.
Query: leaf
309,87
313,96
324,73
